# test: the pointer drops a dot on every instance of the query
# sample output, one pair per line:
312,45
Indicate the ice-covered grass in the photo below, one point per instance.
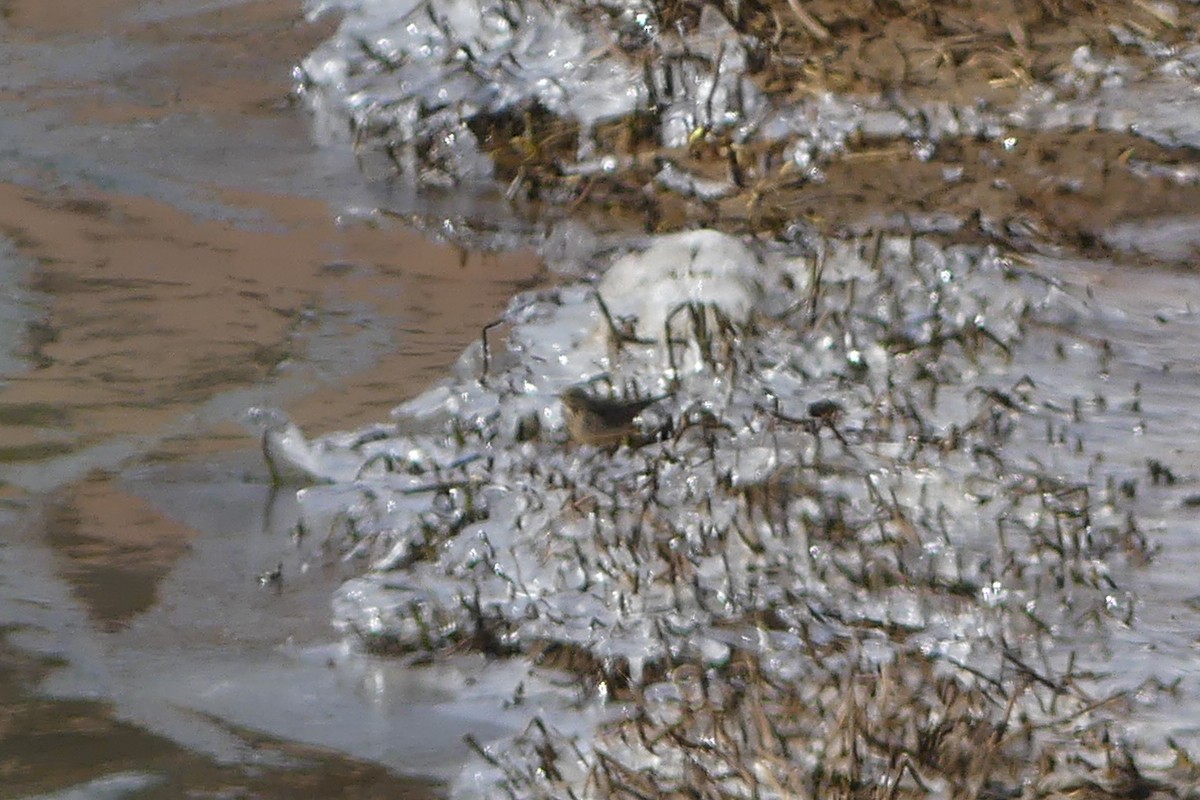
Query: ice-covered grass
871,551
880,539
544,94
431,78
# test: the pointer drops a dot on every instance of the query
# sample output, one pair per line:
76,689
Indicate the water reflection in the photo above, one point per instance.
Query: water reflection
169,257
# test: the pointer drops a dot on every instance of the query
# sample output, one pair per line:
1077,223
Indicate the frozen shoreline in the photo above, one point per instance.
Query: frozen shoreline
973,392
964,541
423,78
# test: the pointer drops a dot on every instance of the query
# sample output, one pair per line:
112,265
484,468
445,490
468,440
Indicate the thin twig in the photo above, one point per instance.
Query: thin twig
811,23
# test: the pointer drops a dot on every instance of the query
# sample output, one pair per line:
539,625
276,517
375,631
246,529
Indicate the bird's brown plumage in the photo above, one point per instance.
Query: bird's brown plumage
599,421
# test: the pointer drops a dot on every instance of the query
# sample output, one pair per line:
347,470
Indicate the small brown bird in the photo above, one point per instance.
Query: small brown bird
602,422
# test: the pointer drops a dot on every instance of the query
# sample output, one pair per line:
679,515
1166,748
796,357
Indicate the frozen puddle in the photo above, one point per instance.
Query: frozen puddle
899,487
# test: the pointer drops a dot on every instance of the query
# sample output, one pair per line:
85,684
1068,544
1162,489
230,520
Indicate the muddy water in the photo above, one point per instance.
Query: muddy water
174,249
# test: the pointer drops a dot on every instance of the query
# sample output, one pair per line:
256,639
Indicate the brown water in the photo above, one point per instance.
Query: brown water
178,251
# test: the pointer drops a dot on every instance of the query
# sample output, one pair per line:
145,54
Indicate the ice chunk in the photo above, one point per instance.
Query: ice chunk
705,267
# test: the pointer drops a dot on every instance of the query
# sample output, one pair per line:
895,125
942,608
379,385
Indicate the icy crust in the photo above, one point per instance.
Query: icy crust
421,79
858,543
418,73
